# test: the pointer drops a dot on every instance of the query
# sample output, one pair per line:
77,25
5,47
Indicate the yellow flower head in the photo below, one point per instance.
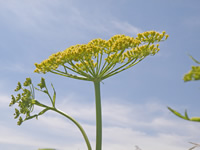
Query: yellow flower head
100,59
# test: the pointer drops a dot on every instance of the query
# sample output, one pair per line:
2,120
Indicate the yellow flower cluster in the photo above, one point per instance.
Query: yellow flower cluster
98,53
193,74
152,36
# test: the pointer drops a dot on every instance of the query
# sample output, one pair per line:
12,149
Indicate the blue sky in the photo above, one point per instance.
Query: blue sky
134,102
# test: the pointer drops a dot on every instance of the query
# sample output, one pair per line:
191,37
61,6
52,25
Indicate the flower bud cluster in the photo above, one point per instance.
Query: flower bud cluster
24,101
193,74
118,49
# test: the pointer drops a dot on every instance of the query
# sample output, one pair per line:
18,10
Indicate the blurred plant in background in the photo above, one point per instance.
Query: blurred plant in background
192,75
195,145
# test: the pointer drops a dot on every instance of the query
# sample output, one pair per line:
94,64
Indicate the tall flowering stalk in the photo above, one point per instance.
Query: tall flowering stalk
99,60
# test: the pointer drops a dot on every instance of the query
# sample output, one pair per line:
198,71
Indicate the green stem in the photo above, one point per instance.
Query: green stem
70,75
99,63
49,96
115,71
78,72
98,115
77,124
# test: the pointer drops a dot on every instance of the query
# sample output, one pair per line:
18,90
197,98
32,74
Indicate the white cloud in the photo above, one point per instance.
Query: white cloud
4,100
28,13
24,137
126,27
149,126
43,17
12,136
126,138
17,68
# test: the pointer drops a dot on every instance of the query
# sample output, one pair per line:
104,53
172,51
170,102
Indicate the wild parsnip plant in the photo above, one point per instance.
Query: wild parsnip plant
95,61
192,75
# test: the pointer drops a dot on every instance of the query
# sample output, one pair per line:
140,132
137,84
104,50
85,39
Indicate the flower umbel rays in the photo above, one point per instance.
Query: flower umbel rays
102,58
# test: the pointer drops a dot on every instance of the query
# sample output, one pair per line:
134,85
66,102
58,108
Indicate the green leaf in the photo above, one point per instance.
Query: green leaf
177,113
186,115
194,59
197,119
54,95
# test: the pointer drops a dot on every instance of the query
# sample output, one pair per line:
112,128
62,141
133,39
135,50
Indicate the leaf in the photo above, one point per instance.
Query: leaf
54,95
194,59
186,115
177,113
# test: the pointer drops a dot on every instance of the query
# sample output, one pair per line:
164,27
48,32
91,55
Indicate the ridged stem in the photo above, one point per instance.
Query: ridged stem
77,124
98,115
